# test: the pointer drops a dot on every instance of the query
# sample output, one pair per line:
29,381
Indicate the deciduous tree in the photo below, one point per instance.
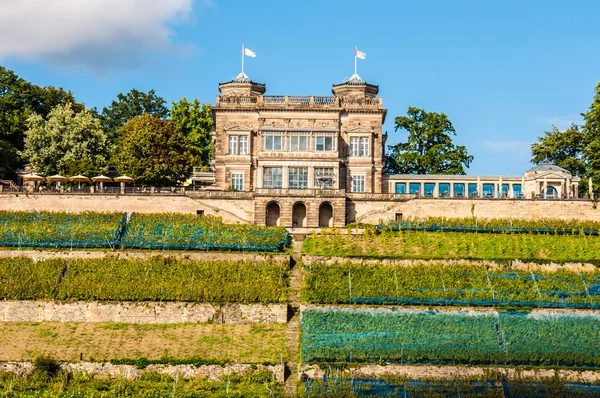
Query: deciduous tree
66,142
563,148
128,106
152,151
591,149
194,121
428,148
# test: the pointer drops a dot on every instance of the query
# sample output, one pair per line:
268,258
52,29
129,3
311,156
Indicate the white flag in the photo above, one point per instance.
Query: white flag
249,52
359,54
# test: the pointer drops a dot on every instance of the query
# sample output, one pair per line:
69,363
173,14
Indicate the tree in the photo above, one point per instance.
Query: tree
194,121
563,148
134,103
591,148
428,148
152,151
66,142
19,99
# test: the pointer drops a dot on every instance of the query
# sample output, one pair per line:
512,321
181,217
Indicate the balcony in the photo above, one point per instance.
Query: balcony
296,101
299,192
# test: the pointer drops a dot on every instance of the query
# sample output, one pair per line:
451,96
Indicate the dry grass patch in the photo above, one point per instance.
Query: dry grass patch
105,341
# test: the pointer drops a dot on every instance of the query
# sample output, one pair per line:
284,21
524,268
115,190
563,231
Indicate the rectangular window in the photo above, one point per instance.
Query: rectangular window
504,191
298,143
272,177
473,191
364,147
243,145
324,144
233,145
237,181
358,183
400,187
415,188
517,192
488,190
298,177
444,189
272,143
429,189
459,190
353,146
324,178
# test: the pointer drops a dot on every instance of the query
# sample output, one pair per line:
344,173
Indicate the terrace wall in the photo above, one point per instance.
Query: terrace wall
375,211
140,312
231,210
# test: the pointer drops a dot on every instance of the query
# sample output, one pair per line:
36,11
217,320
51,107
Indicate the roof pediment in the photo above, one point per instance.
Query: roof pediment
359,129
549,174
237,127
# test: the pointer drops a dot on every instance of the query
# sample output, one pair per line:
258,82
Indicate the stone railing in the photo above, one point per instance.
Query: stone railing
379,196
279,101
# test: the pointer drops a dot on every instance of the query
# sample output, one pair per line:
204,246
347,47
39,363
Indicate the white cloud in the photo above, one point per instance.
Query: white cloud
561,122
97,34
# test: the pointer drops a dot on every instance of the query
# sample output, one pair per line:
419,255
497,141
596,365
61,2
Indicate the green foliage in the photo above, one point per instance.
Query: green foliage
47,365
19,99
151,279
591,130
59,229
80,385
428,148
185,231
449,337
143,363
563,148
458,245
129,106
65,142
152,151
500,225
194,121
450,283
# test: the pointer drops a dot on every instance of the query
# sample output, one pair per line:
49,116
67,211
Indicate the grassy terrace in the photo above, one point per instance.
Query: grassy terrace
106,341
152,279
149,385
457,245
374,336
442,282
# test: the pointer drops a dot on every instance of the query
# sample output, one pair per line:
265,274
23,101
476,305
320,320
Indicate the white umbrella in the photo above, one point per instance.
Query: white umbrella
102,179
79,179
33,177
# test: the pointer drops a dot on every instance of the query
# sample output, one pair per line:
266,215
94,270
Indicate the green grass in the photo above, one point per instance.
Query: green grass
457,245
151,279
450,283
153,385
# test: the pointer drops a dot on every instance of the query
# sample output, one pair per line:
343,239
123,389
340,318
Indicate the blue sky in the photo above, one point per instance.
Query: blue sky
503,71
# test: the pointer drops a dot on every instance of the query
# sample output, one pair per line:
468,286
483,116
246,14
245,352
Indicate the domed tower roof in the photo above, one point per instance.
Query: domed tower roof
546,167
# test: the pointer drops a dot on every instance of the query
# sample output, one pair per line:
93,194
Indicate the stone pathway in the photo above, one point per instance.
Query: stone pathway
293,328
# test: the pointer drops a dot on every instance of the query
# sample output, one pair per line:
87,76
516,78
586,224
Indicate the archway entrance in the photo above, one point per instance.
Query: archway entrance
299,215
325,215
550,193
273,212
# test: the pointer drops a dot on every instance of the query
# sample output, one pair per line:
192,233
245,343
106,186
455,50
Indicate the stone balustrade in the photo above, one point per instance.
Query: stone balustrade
297,100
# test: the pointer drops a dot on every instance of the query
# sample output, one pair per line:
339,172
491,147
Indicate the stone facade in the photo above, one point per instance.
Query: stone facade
299,155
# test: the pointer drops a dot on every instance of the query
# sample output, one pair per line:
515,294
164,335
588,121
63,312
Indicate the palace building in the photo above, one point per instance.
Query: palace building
317,161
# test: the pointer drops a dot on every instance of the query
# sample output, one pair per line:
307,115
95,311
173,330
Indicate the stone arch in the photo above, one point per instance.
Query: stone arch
325,215
299,215
550,192
273,214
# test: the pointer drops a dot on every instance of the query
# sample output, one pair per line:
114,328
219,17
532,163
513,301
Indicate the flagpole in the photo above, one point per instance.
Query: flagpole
355,60
242,59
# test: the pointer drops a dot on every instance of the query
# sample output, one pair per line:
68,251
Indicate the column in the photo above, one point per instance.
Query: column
545,187
286,177
311,177
259,177
436,189
451,191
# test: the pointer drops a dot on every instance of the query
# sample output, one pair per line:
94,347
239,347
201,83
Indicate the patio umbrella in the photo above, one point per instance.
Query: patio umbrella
79,179
33,177
101,179
123,180
57,179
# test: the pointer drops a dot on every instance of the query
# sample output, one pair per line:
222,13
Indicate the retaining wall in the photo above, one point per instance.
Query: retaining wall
150,312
